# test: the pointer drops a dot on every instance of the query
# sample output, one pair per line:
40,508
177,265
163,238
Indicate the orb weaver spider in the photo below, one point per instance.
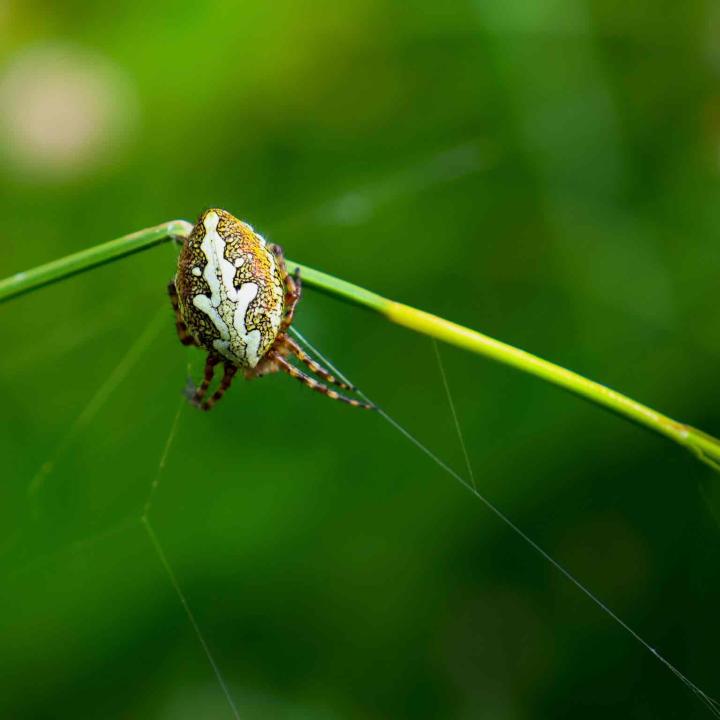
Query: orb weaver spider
232,296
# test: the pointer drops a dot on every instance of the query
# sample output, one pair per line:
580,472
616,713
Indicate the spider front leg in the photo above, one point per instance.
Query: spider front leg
318,369
293,287
281,363
228,375
196,397
180,326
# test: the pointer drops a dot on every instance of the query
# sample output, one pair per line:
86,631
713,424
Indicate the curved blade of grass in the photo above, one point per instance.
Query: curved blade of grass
79,262
703,446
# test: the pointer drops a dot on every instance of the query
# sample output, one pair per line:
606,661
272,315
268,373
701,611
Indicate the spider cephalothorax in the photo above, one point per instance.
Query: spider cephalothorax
233,296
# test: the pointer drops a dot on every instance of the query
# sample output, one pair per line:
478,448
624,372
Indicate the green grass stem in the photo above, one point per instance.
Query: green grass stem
703,446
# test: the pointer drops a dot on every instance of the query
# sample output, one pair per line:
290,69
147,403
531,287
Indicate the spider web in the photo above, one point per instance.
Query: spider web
348,208
469,483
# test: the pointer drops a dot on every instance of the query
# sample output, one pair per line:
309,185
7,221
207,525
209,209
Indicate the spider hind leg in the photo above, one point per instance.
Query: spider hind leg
293,287
180,326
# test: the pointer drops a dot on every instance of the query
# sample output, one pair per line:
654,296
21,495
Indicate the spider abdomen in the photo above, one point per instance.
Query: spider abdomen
232,295
230,289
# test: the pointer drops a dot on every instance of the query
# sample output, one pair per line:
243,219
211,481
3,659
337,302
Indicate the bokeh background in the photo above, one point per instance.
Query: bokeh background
544,171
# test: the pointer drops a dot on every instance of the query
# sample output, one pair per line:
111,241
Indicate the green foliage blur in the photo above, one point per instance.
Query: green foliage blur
544,171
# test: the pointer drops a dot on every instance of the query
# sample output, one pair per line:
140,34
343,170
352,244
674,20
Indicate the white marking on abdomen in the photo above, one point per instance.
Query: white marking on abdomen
244,296
227,306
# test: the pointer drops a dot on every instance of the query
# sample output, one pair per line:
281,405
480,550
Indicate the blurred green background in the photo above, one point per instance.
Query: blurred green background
546,172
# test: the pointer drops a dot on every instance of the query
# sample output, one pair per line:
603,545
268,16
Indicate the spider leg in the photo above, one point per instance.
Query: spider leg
285,366
180,326
318,369
225,383
293,293
197,397
293,287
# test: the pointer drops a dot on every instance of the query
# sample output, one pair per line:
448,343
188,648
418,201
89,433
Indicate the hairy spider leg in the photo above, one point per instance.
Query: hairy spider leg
282,364
293,293
293,287
210,363
180,326
318,369
228,375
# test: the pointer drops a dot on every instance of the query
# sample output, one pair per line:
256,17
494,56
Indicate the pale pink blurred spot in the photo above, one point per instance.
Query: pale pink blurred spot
63,111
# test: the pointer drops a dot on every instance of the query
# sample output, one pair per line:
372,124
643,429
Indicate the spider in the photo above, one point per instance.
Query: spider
232,296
